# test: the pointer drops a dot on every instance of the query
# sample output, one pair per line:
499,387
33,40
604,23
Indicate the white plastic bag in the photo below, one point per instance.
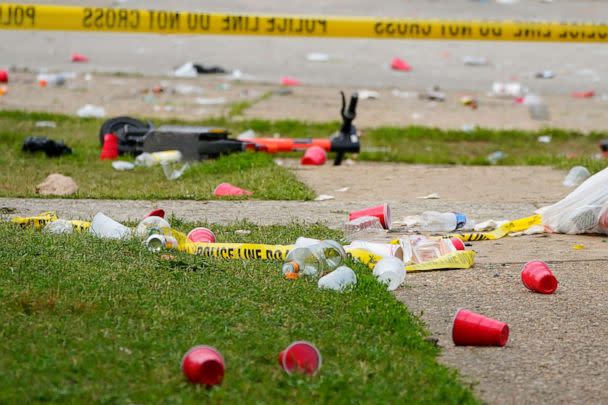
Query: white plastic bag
585,210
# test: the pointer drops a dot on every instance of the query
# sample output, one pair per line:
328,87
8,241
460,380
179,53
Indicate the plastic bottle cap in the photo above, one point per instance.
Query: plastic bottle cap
292,276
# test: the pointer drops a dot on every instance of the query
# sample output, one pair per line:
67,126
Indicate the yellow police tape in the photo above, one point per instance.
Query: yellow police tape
41,220
517,225
242,251
461,259
99,19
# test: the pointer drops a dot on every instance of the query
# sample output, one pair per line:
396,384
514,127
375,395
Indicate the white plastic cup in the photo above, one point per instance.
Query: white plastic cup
390,271
379,249
103,226
338,280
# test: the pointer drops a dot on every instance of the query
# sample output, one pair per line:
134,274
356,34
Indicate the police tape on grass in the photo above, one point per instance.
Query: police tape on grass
97,19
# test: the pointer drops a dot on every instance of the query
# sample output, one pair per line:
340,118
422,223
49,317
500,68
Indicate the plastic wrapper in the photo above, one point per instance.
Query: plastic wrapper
585,210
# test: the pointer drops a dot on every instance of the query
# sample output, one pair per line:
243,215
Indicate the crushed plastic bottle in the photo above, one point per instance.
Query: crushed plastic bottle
433,221
58,227
420,249
338,280
314,260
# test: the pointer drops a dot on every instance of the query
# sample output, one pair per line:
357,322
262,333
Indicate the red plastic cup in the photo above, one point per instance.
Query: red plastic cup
201,235
156,213
382,212
203,365
300,356
109,150
458,244
79,58
538,277
314,156
583,94
401,65
290,81
227,189
3,76
473,329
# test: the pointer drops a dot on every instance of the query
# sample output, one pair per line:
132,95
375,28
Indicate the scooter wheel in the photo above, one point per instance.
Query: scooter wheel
114,124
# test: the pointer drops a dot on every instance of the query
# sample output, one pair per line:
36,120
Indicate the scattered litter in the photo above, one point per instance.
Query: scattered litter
603,145
50,147
488,225
433,94
3,76
338,280
187,90
313,260
390,271
433,221
533,230
249,134
210,101
495,157
544,139
410,221
190,69
400,65
432,196
343,189
58,227
467,128
57,184
314,156
122,165
317,57
538,277
290,81
201,235
382,212
3,90
510,89
79,58
536,107
585,210
46,124
283,92
300,357
474,61
48,79
417,116
583,94
545,74
368,95
227,189
172,173
154,158
576,176
404,94
91,111
578,246
472,329
203,365
242,232
361,225
469,101
325,197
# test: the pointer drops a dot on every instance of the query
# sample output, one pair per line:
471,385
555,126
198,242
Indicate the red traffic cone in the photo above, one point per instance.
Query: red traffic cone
314,156
538,277
300,356
109,150
203,365
401,65
227,189
473,329
79,58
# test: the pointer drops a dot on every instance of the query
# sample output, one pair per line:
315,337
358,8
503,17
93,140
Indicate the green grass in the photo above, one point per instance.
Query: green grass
89,320
97,179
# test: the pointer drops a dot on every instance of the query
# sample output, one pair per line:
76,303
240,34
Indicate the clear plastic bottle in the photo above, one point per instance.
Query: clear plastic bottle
314,260
433,221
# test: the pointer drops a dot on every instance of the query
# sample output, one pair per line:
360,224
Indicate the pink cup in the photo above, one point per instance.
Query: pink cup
227,189
314,156
201,235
